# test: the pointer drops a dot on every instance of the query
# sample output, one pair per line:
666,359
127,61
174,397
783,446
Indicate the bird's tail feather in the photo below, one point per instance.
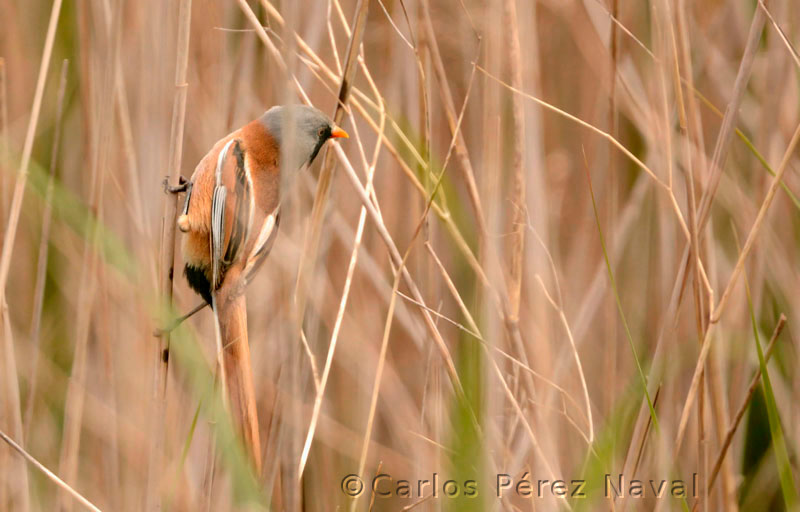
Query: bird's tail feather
237,372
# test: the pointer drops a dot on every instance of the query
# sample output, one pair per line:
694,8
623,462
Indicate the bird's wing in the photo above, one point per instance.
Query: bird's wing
217,234
231,210
241,208
263,243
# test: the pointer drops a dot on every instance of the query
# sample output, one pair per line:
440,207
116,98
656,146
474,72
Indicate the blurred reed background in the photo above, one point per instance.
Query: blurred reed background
605,203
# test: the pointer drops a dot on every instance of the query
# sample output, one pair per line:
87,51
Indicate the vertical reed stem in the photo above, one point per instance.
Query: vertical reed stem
167,262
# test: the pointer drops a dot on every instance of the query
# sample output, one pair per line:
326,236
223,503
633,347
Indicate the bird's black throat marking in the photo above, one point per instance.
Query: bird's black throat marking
326,134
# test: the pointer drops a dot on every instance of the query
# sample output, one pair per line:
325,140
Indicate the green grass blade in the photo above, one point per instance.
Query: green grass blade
776,431
642,377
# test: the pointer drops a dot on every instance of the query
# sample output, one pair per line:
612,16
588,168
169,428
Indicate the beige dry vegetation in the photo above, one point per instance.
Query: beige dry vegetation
562,241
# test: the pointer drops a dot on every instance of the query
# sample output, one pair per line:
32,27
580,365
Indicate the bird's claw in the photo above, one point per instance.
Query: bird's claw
175,189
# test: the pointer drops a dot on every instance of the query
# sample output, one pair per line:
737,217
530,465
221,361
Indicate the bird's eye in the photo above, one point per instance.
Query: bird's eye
321,132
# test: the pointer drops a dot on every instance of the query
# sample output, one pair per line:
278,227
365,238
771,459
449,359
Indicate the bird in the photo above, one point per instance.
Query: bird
230,219
232,207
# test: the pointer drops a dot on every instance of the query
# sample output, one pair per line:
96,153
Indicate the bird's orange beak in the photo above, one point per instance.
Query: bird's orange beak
338,133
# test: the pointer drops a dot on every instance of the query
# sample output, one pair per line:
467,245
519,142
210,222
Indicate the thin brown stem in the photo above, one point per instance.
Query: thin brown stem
167,261
20,497
311,245
22,176
518,197
720,308
5,156
720,154
737,418
49,474
340,314
462,153
90,262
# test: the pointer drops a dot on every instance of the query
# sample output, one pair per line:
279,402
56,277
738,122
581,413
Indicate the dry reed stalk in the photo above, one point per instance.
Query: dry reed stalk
689,127
135,204
518,197
312,240
397,258
423,103
49,474
311,361
491,147
599,283
362,461
737,418
520,414
311,244
428,61
371,270
20,496
613,38
235,85
415,424
167,261
507,301
277,486
557,305
582,123
667,187
90,264
14,214
624,221
715,168
108,382
668,60
22,175
728,127
356,101
400,272
44,243
785,40
538,198
612,203
86,90
732,280
5,153
516,245
440,315
444,216
374,212
342,305
5,162
422,54
462,153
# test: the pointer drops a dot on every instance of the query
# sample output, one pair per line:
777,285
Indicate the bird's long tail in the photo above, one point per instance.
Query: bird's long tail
238,375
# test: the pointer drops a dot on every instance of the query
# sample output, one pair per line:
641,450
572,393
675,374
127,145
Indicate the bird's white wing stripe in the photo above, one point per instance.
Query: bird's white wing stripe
252,194
263,237
217,232
218,218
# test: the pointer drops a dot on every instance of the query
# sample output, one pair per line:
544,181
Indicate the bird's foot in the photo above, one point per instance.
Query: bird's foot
183,183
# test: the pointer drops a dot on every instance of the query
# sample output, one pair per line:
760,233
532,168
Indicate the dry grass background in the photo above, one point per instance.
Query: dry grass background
576,153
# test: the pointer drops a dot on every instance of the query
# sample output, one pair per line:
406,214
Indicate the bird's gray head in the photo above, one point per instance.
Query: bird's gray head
300,132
